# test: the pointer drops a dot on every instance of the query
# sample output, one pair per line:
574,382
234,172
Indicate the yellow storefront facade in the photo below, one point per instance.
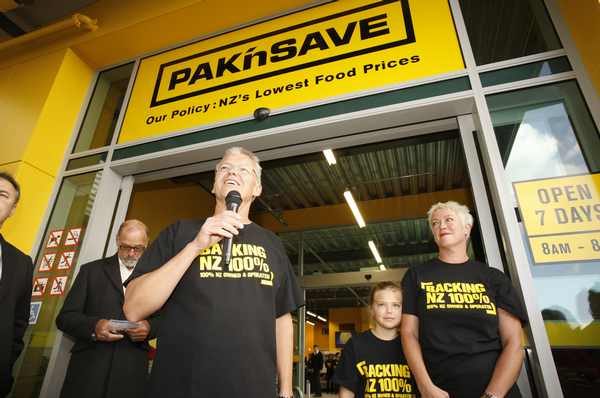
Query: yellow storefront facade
102,106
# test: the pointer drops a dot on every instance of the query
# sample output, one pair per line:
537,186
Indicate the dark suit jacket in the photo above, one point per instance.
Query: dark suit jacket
317,361
15,298
102,369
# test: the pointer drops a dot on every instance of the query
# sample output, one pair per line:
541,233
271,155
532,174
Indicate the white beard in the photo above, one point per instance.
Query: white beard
129,262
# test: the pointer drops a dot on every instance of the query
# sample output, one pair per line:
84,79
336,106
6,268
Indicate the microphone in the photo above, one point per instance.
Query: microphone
233,201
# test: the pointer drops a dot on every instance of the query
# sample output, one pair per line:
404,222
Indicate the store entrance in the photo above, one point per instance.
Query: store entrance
394,176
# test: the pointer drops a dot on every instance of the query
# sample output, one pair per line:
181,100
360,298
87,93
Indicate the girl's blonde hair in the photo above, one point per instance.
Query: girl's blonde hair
385,285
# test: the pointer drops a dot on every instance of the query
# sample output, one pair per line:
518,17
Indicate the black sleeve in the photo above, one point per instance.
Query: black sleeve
71,318
346,373
410,292
22,312
507,298
153,321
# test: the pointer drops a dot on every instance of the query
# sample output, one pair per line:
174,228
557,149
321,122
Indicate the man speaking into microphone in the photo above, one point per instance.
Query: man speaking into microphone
233,200
226,328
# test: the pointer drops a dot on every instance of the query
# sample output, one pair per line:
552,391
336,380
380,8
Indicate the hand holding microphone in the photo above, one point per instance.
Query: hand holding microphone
233,201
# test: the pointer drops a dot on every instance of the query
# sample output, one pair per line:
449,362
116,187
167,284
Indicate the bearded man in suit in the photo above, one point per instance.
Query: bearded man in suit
107,361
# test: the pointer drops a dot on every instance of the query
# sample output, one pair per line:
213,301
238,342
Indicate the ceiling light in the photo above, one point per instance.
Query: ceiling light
352,204
311,313
374,250
329,155
382,267
321,318
310,323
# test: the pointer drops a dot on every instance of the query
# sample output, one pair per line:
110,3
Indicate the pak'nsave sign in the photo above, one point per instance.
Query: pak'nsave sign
333,49
561,217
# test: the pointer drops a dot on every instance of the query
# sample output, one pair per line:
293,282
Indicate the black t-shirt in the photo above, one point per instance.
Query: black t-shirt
457,306
217,332
374,368
330,366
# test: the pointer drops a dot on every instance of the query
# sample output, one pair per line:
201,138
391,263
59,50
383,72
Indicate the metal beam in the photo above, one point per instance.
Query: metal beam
11,28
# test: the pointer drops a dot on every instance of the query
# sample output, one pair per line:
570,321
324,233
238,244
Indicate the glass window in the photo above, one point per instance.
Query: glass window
53,274
103,111
543,133
527,71
506,29
87,161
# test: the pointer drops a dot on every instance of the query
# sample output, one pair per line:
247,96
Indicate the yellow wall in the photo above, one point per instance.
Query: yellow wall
571,334
159,203
39,104
127,29
320,339
358,316
583,20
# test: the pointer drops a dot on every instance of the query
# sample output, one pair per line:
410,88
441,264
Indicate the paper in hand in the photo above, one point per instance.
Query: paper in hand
123,324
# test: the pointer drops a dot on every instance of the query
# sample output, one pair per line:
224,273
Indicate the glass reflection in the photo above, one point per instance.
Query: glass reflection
103,111
506,29
63,239
527,71
546,132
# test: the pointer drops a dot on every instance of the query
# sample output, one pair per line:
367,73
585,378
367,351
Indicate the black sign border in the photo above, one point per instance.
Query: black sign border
410,33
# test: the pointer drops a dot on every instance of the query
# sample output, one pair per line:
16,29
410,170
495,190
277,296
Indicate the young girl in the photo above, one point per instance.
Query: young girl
372,364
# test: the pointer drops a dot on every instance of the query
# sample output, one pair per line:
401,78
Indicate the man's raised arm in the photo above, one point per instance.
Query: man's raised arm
147,293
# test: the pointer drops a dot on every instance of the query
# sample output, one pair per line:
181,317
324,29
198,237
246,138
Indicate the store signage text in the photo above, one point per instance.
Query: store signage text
330,50
562,217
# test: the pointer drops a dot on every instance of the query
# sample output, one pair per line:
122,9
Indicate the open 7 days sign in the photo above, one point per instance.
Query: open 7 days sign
561,217
333,49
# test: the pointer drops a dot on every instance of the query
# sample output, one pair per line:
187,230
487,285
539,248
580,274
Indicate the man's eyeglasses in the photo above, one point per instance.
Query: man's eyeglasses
242,168
127,249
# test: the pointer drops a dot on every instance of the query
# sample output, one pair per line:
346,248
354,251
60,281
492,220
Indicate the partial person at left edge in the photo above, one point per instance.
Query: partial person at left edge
16,278
107,361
